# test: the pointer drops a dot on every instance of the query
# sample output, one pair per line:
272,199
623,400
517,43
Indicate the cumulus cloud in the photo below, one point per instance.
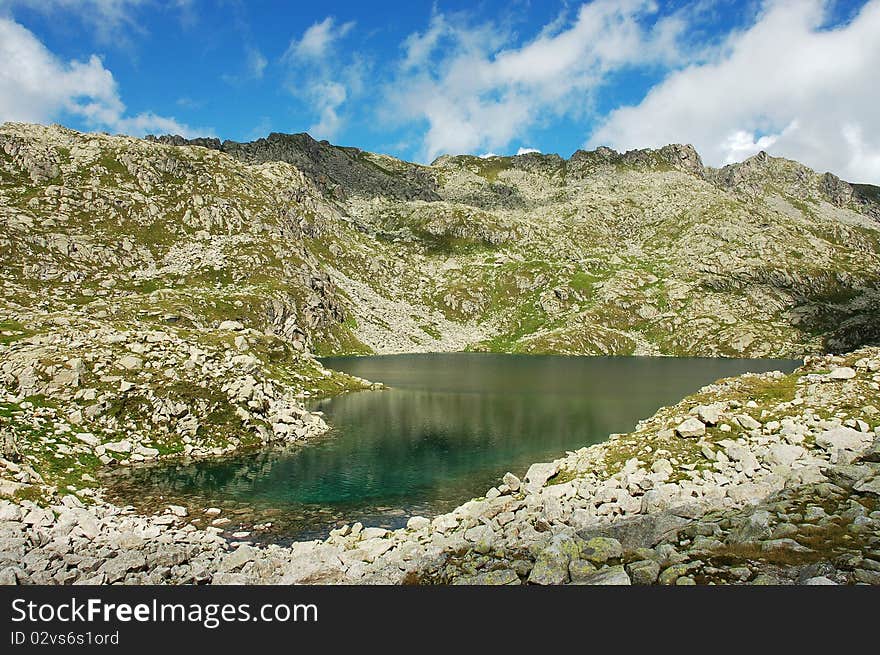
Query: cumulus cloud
320,78
526,151
329,97
787,84
318,39
475,90
37,86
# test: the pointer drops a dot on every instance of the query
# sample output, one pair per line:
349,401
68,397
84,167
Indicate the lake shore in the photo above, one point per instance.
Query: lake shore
445,429
762,479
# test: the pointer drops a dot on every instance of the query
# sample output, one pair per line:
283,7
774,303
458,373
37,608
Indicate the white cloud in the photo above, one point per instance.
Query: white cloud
742,144
476,91
113,13
328,98
419,45
526,151
36,86
256,63
318,76
111,22
318,39
787,84
252,68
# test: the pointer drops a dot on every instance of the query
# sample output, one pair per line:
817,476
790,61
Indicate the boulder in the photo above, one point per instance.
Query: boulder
551,568
785,454
125,562
643,572
819,580
610,575
691,428
844,438
708,414
238,558
868,486
754,528
873,452
601,549
842,373
641,531
747,422
232,326
662,467
512,482
131,363
538,474
580,569
417,523
123,446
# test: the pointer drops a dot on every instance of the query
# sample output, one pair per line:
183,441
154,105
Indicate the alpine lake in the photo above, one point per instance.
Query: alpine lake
445,430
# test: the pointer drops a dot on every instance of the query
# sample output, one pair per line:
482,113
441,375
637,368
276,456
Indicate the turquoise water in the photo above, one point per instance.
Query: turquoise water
448,428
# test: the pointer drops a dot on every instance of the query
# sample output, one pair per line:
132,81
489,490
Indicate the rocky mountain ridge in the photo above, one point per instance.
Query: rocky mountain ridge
345,166
466,205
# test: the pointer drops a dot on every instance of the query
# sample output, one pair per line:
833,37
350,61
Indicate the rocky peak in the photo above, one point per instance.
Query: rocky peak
684,157
534,162
338,171
680,157
347,172
753,176
838,192
537,162
176,140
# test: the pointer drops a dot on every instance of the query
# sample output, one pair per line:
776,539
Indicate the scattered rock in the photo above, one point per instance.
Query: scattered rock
512,482
538,474
842,373
691,428
610,575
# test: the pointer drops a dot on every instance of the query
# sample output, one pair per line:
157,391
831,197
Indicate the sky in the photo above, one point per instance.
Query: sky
797,78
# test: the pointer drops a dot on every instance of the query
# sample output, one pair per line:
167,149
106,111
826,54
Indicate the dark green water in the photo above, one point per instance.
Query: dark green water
448,428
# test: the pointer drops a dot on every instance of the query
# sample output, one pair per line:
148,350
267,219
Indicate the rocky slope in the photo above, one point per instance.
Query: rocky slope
645,251
152,306
348,251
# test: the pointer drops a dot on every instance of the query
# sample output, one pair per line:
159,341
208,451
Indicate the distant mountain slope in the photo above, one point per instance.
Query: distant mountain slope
339,250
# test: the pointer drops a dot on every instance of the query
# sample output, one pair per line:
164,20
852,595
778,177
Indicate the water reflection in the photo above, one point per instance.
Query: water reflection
447,429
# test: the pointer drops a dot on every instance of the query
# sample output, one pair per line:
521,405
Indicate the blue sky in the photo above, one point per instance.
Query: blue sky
418,79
